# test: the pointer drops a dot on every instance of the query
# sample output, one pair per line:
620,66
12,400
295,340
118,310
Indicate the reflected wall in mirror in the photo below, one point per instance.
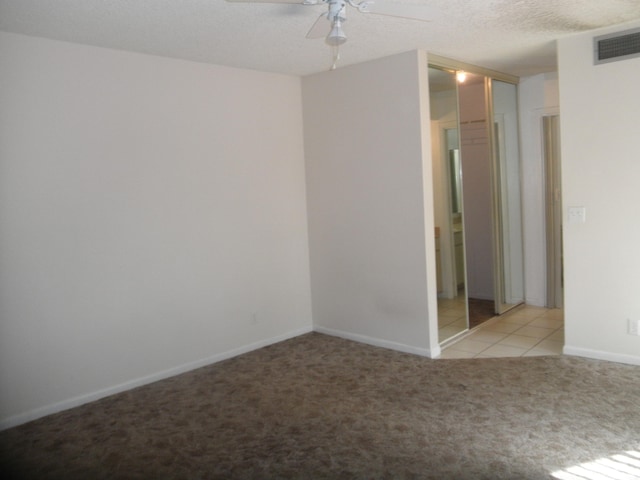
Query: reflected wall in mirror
448,204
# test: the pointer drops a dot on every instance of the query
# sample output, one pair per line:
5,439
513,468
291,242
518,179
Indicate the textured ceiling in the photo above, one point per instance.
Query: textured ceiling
513,36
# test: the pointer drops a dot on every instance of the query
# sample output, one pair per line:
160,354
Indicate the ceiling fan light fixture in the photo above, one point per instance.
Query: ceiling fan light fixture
336,36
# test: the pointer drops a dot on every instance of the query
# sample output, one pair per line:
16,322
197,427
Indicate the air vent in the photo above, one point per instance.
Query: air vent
617,46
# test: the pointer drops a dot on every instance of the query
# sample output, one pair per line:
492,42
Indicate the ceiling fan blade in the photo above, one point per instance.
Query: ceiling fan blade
423,13
301,2
321,27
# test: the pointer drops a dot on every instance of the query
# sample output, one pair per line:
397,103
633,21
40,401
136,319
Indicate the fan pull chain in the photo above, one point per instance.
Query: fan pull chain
335,51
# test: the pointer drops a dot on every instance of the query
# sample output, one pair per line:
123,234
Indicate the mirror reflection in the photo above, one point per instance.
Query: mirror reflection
455,174
475,146
448,204
510,281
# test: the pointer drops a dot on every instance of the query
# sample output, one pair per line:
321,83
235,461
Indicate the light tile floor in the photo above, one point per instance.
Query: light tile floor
452,316
523,332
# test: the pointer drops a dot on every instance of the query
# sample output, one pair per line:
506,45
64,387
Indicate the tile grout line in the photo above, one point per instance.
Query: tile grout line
521,325
539,342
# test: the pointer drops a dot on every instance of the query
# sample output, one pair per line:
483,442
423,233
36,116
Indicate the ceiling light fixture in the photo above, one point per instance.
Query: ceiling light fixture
337,35
461,76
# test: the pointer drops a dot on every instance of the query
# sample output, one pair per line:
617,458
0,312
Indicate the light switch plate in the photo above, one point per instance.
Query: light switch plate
577,215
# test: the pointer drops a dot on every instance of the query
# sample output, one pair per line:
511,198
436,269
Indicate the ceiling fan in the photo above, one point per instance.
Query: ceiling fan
329,24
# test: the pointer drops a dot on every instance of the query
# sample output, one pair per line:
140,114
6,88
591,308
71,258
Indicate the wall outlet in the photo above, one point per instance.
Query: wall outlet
634,327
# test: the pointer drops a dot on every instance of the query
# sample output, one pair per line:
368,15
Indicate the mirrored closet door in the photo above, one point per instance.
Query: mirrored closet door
509,283
476,174
448,204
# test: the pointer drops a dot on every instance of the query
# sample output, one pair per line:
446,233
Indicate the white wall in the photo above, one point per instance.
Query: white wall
537,96
600,125
369,195
152,219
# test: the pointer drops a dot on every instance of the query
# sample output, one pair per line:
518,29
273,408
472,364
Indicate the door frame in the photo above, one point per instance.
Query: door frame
550,121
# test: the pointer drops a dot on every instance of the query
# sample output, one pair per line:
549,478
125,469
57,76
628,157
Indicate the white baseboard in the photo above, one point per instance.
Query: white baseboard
535,302
377,342
90,397
600,355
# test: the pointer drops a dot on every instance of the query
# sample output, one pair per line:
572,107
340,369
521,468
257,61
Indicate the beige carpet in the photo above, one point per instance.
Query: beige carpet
318,407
